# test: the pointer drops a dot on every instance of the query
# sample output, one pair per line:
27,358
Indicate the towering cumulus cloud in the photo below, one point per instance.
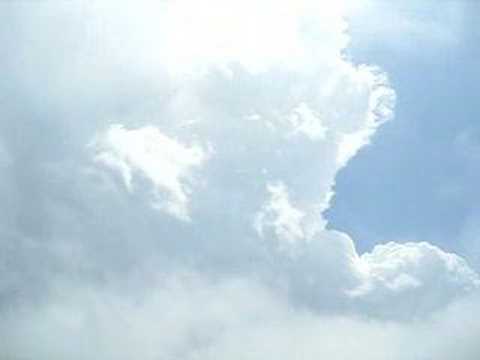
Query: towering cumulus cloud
166,167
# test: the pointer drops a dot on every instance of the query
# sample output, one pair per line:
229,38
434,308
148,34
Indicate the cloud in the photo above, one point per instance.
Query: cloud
380,109
283,218
165,162
416,278
236,116
239,319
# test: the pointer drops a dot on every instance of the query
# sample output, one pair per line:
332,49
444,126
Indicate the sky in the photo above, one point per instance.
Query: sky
422,167
238,180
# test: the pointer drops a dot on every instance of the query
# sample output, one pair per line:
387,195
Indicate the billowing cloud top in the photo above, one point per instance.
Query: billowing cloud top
166,169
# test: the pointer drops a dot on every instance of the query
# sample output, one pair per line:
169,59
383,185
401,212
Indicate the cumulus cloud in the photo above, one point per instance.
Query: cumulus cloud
305,122
236,116
416,277
279,214
165,162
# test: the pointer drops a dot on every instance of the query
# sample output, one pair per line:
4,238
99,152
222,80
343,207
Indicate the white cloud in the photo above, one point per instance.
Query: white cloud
292,227
268,85
257,35
304,121
279,214
413,278
167,163
380,109
419,262
293,77
184,316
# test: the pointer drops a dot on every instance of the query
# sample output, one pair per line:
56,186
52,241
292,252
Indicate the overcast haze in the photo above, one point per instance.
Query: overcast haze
193,180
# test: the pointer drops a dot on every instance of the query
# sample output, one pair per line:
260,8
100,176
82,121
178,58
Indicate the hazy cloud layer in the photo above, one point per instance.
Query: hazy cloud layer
165,169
